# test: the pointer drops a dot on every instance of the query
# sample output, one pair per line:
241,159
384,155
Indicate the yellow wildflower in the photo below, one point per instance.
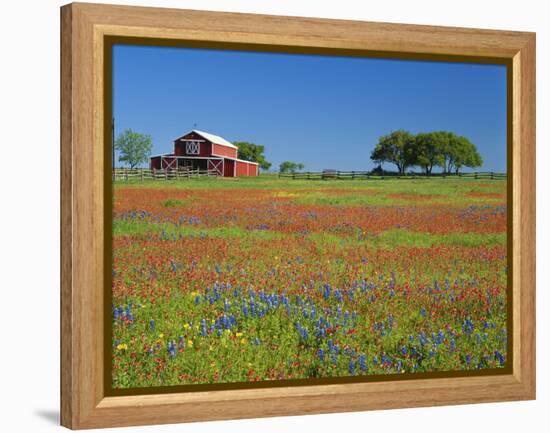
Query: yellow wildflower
186,326
243,341
122,346
189,343
239,334
161,335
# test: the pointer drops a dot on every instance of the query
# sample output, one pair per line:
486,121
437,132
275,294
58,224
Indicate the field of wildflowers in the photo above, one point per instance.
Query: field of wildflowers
240,280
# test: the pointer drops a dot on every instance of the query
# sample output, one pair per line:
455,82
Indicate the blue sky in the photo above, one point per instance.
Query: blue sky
324,111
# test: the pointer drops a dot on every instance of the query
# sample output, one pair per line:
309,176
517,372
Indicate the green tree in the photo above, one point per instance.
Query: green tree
457,152
447,148
134,147
427,151
252,152
290,167
467,154
396,148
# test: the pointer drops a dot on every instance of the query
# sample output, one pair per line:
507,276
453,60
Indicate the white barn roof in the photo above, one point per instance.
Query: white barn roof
215,138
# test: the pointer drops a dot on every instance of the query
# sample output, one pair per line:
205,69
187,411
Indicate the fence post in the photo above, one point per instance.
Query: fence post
126,174
475,175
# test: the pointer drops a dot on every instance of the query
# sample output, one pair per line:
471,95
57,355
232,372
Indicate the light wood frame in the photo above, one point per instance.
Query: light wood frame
84,26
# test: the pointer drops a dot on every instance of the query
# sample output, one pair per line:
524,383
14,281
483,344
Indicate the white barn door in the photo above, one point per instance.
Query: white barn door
216,165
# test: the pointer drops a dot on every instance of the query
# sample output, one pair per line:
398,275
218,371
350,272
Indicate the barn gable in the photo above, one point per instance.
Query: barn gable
200,143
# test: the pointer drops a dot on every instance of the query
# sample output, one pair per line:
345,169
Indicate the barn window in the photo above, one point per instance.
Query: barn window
192,147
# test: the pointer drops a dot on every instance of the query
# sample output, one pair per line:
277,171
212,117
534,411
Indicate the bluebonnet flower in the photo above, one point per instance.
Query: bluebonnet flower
468,326
171,348
321,354
351,367
326,291
152,325
362,363
499,357
225,322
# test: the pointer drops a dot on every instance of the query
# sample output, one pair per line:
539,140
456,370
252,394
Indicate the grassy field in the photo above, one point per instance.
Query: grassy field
249,279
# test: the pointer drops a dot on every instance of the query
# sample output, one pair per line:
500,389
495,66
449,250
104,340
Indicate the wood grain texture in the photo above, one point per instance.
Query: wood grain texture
83,28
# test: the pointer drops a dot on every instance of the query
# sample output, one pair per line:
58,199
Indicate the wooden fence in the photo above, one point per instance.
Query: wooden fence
142,174
327,175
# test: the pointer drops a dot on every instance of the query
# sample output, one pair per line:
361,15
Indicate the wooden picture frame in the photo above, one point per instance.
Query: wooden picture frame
84,29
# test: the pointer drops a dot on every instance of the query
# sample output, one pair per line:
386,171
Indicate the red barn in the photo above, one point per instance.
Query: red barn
205,151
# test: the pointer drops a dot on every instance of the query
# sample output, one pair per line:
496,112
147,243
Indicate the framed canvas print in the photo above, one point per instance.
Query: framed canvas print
268,216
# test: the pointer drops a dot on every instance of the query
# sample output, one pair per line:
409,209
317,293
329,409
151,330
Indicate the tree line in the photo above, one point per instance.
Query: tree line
427,150
444,149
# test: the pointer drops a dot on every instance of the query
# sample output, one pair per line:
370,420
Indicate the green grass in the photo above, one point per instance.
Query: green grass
385,240
439,191
439,186
133,228
174,203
